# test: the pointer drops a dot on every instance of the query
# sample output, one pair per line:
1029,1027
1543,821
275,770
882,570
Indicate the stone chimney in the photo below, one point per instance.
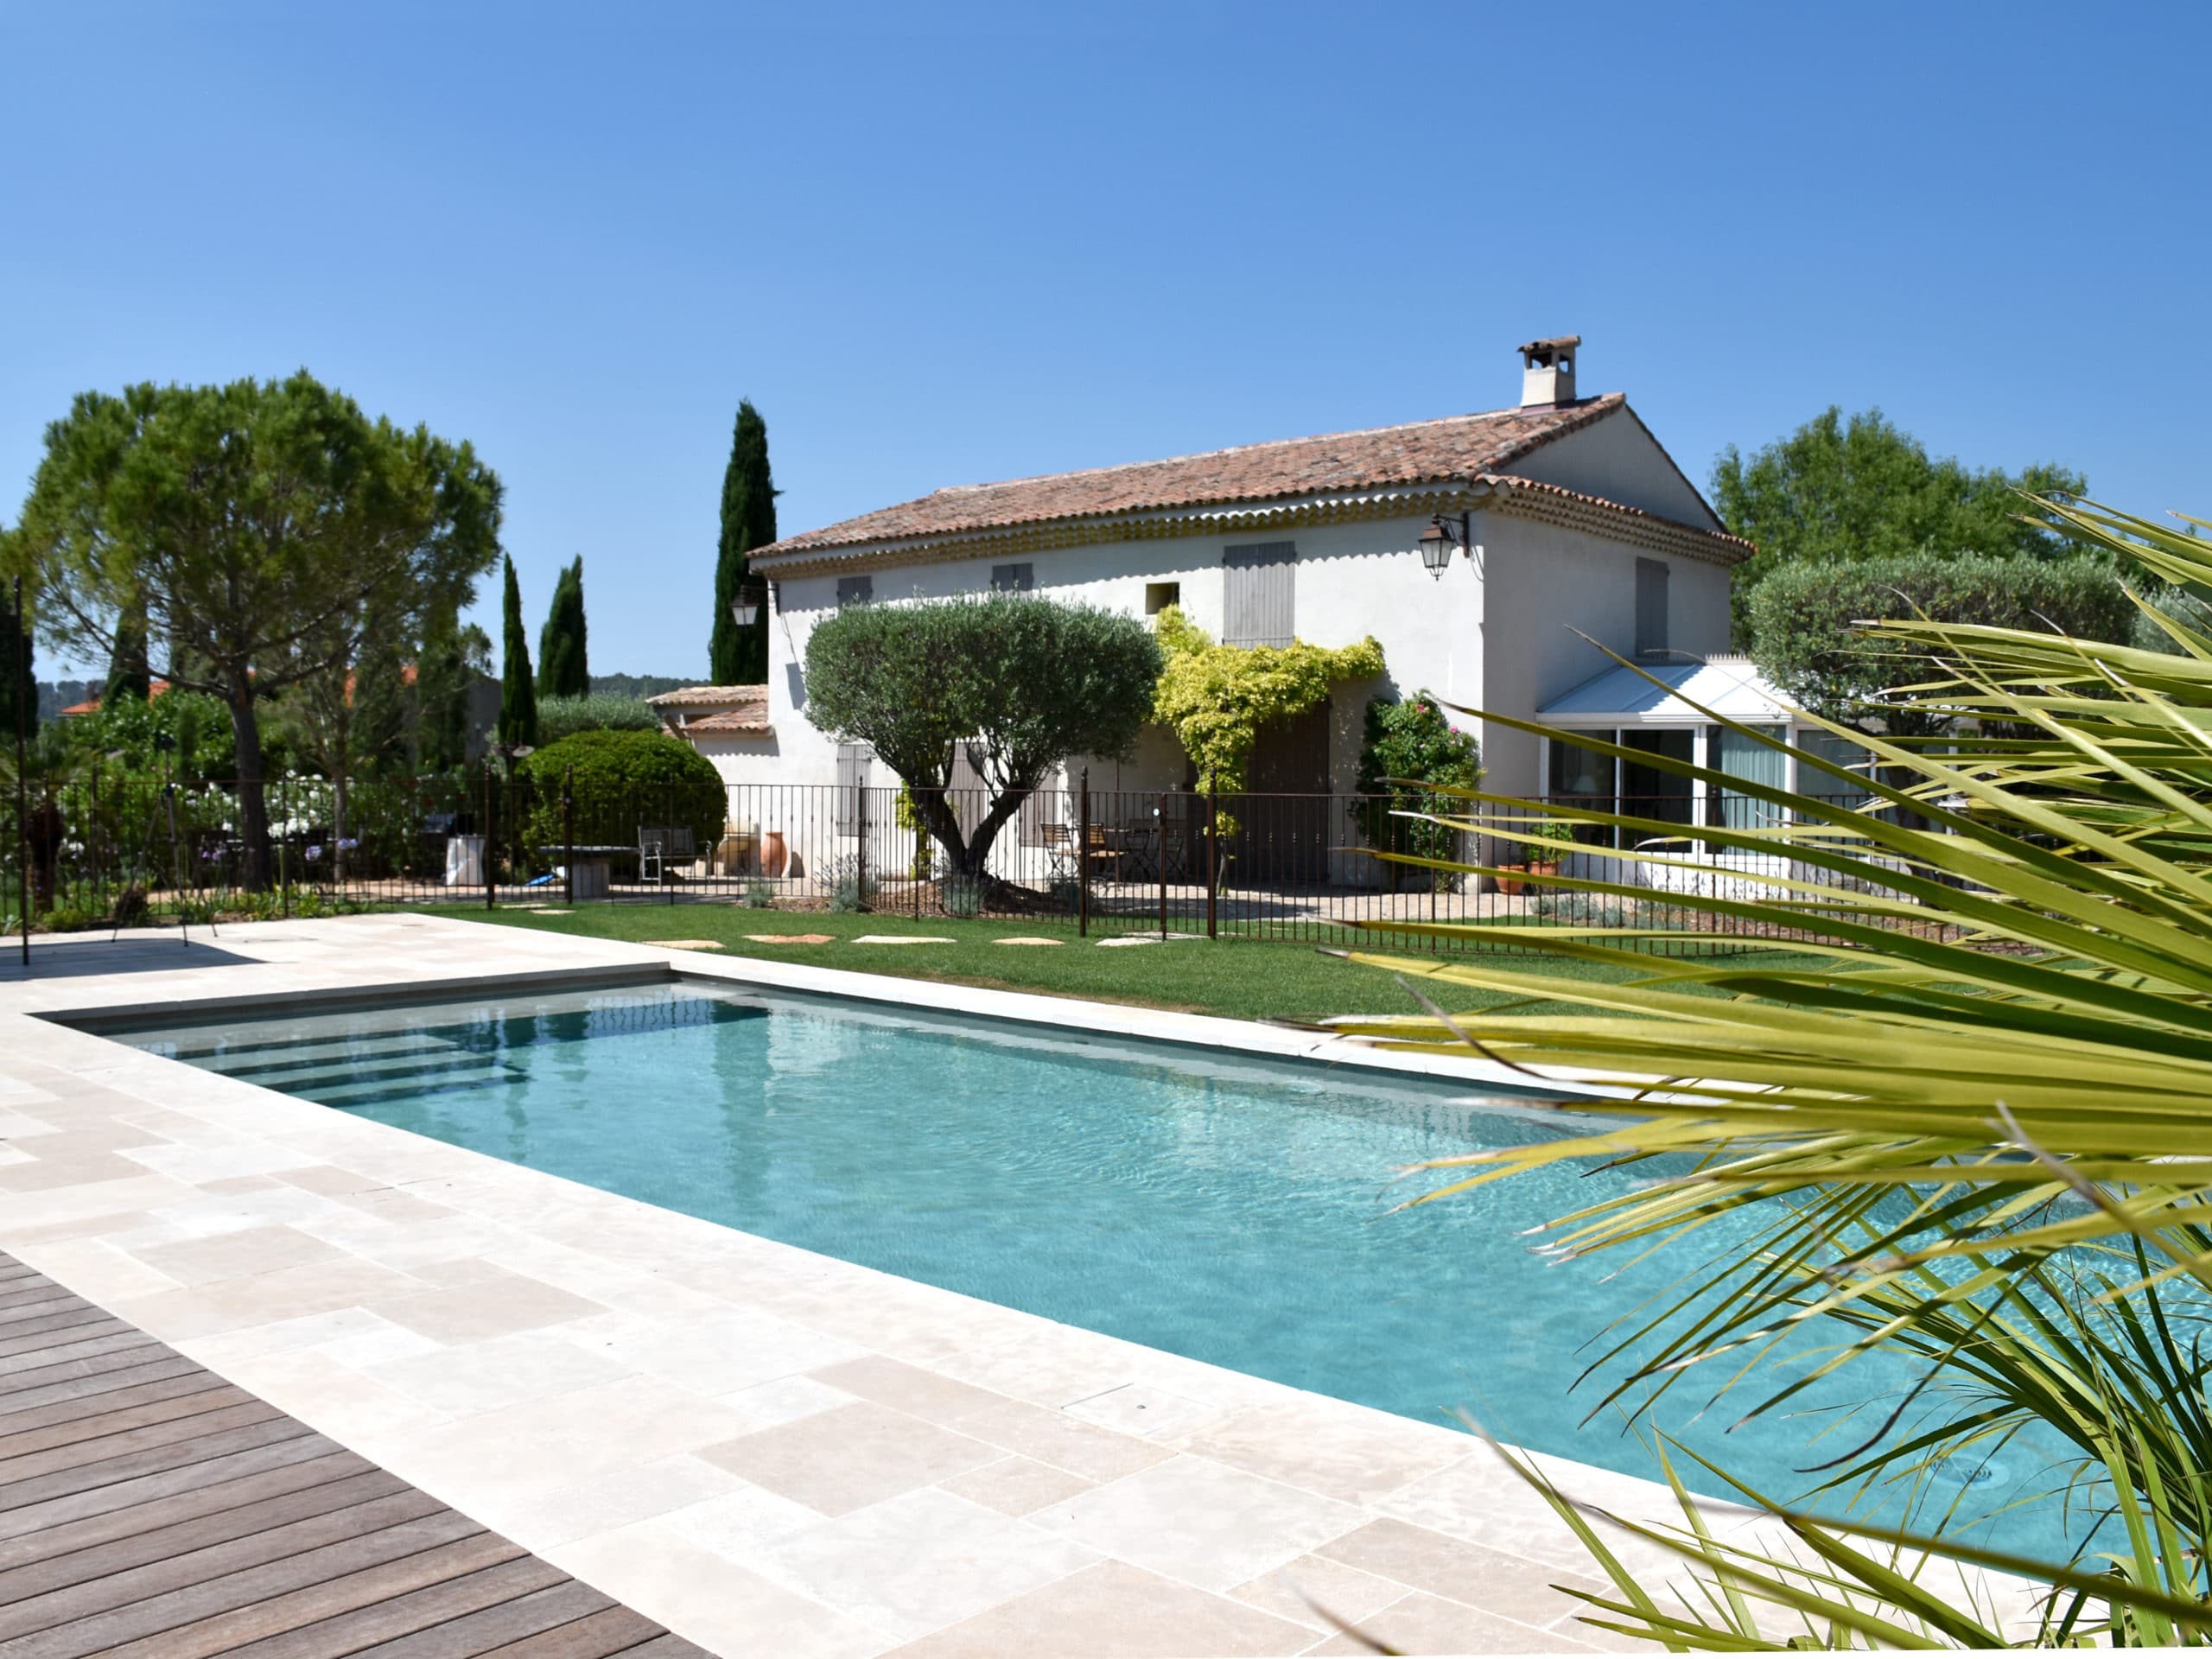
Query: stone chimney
1547,371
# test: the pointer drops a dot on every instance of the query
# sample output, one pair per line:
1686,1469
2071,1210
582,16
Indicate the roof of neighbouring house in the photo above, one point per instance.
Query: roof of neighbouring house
741,709
155,688
1731,686
1461,449
710,696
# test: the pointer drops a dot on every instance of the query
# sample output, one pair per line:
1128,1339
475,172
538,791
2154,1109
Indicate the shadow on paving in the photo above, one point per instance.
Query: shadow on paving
68,958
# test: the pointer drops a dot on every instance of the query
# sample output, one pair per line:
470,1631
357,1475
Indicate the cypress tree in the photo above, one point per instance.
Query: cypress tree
517,696
18,683
561,671
736,656
128,674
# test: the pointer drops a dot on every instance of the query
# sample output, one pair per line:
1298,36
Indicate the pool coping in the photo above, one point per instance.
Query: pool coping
228,1158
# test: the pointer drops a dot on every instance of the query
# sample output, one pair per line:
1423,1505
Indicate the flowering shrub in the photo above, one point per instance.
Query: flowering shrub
1410,744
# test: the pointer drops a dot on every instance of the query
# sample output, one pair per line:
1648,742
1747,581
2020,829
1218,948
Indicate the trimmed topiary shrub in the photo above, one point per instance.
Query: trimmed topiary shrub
623,781
560,717
1409,744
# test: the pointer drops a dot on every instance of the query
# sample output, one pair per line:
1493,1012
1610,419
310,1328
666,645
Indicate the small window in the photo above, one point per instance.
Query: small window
1013,578
1650,606
1159,596
854,591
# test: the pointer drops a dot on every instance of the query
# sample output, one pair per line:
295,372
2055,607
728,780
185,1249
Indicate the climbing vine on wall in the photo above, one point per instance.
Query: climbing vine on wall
1217,697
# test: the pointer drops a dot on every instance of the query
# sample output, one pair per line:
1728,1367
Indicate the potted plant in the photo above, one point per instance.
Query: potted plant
1551,841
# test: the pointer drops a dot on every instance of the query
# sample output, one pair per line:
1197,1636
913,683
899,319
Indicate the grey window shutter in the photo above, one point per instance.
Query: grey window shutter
1260,593
1013,578
1650,606
853,760
854,591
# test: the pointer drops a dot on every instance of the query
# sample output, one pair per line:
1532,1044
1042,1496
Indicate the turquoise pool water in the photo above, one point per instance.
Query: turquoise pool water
1238,1211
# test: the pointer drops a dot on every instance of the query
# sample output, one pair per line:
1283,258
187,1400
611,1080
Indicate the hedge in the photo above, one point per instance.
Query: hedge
623,780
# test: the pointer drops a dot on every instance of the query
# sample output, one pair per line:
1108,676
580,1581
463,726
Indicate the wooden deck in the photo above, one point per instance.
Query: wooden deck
148,1509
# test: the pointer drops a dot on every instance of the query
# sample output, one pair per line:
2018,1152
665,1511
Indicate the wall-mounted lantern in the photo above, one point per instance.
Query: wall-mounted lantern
744,609
1442,538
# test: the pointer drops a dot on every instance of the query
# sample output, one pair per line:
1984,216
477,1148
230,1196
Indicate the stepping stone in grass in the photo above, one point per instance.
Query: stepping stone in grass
792,938
1147,938
1027,941
684,944
540,910
904,938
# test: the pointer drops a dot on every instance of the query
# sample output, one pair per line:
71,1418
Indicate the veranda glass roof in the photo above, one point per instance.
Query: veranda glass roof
1624,697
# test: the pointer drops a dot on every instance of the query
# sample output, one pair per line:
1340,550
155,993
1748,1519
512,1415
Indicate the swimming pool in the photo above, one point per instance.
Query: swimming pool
1232,1210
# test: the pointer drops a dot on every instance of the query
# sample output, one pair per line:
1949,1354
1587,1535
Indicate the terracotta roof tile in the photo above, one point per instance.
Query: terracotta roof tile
710,697
730,720
1462,447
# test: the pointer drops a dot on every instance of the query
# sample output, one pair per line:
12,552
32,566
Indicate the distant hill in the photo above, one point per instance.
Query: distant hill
638,685
55,695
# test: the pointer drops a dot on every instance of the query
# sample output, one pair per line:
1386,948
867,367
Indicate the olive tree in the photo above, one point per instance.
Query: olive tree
1809,635
1020,683
254,532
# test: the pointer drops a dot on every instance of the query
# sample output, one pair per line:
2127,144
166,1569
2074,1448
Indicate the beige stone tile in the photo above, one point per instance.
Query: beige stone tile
1451,1567
1016,1485
1327,1446
542,1515
909,1389
838,1461
1203,1522
469,1377
1481,1500
786,1399
917,1562
576,1436
490,1306
1053,1437
1422,1623
707,1598
1305,1588
330,1398
202,1164
742,1520
1114,1610
730,1350
236,1256
330,1180
1147,1413
266,1298
95,1269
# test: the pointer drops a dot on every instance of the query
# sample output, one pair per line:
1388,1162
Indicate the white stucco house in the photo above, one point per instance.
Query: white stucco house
1564,515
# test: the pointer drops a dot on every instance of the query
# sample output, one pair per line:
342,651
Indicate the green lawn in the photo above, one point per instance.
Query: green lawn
1245,979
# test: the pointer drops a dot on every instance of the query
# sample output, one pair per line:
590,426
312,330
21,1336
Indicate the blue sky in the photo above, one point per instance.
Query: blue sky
937,244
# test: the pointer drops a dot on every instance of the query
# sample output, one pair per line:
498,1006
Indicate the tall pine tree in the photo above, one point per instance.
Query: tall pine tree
739,655
128,675
561,668
517,696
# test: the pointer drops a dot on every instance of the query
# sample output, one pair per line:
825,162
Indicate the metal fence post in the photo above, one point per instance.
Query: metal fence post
21,670
283,850
1213,851
668,829
1159,854
491,884
1081,860
860,855
568,834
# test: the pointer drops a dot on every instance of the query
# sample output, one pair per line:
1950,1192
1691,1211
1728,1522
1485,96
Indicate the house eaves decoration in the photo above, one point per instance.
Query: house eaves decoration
1452,465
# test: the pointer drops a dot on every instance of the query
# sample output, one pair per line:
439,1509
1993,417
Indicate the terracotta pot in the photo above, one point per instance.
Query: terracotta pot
773,854
1512,885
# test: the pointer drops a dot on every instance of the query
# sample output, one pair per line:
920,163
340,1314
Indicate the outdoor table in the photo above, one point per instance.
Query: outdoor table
588,867
1136,848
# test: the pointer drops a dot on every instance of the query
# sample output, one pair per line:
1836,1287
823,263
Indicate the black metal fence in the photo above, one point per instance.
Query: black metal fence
1102,862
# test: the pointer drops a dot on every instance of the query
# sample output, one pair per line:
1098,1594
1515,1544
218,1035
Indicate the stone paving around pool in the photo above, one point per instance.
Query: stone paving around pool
769,1451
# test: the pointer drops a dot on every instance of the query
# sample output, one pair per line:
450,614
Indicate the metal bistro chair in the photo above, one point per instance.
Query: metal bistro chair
656,844
1058,841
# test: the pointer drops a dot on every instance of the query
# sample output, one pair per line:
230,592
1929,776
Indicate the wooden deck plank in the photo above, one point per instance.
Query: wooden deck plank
218,1498
58,1570
150,1510
369,1629
603,1634
179,1385
76,1421
85,1382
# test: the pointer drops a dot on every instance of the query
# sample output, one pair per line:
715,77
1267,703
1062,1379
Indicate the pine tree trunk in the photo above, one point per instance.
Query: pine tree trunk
253,799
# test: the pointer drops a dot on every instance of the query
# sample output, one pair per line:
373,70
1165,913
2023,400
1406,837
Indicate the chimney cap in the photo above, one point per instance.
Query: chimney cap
1558,343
